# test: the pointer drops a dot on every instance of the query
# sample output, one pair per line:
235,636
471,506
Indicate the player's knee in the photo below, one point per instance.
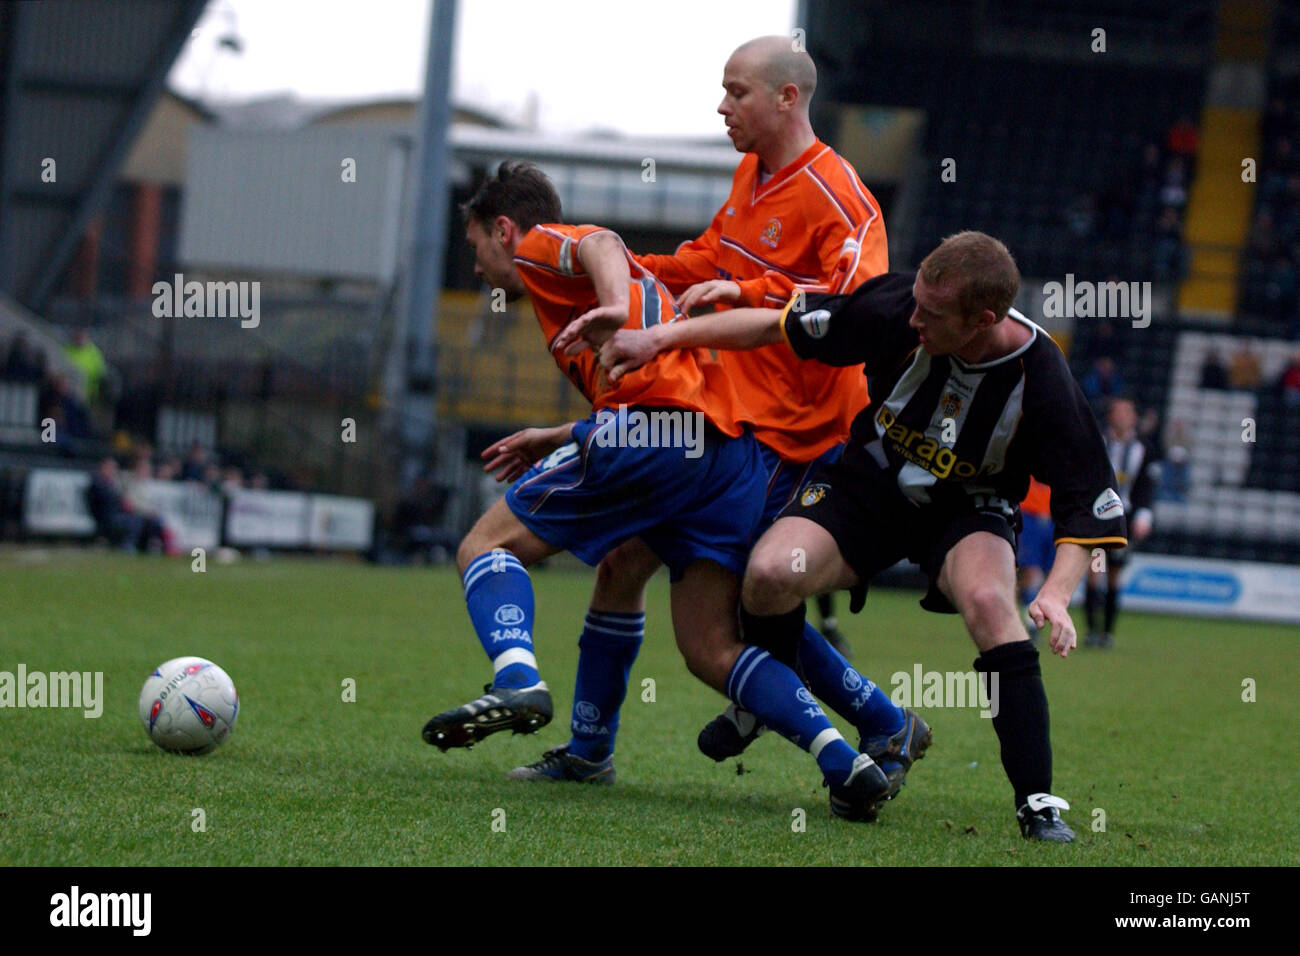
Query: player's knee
986,609
621,577
770,583
471,546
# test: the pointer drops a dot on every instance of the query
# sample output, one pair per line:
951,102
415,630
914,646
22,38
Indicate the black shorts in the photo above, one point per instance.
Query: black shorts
875,526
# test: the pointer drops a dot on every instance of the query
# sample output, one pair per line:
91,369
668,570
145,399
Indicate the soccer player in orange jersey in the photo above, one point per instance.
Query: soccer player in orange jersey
644,464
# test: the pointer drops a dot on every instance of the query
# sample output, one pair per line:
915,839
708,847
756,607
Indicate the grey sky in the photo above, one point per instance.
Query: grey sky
637,67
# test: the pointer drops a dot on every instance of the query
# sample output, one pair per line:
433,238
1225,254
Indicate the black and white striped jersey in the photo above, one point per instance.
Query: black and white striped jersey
1131,461
949,430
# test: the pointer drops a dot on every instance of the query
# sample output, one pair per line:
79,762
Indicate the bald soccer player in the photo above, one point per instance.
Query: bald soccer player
798,217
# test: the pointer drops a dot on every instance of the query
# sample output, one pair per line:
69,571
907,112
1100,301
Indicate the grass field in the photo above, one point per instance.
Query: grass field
1155,733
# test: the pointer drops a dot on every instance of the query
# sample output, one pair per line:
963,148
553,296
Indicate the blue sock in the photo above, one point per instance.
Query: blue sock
499,597
838,685
771,691
608,646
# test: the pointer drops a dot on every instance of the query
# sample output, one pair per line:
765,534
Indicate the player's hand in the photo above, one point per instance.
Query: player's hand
708,293
515,454
1141,528
1048,609
591,329
626,351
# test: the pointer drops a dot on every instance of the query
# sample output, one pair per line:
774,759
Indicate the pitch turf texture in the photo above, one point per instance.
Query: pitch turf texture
1154,733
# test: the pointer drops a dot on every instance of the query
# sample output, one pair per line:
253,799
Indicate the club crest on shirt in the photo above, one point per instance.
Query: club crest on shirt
813,494
951,405
771,233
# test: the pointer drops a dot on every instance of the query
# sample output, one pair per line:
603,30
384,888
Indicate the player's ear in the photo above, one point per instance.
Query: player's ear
504,229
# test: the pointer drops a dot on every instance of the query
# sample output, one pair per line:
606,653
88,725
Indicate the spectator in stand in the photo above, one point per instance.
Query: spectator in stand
1169,257
169,469
1214,374
259,481
115,515
1183,138
417,519
1103,382
196,464
1175,466
1081,216
1244,373
1277,121
85,355
60,403
1173,192
1150,173
232,480
1289,382
24,362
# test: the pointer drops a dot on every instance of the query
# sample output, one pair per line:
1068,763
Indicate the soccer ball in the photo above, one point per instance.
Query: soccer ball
188,706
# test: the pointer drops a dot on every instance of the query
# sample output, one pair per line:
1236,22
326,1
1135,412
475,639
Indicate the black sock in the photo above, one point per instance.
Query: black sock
1090,605
1021,722
1112,607
826,605
778,634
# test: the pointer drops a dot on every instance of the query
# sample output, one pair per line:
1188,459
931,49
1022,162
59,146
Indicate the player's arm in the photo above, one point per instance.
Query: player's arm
1069,457
733,330
511,456
1052,604
603,257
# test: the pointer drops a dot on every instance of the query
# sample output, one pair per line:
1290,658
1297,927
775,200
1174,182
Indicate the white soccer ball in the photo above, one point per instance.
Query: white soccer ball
188,706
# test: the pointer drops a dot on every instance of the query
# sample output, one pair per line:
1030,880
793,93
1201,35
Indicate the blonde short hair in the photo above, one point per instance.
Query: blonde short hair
983,271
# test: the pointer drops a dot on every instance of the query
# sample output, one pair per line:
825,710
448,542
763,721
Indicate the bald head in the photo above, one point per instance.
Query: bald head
775,60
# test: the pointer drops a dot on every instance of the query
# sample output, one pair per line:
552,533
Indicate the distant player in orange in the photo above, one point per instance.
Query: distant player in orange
1036,549
797,217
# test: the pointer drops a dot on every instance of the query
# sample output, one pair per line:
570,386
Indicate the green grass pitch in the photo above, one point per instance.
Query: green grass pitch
1154,733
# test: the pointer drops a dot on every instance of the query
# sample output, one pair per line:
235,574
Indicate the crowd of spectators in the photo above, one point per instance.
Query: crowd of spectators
67,404
1149,203
117,498
1270,285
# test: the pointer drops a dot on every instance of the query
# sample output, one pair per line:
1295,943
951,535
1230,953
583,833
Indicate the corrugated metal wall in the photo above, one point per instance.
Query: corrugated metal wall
271,201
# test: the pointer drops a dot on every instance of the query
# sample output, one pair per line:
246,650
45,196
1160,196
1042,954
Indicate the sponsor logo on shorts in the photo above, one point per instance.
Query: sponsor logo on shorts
816,324
587,711
813,494
1107,506
509,614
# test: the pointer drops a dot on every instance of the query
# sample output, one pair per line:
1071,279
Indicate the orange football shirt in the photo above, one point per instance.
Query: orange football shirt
561,290
813,226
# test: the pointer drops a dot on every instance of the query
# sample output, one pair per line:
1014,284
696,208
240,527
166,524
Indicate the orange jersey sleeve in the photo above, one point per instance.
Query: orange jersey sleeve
1038,500
561,290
